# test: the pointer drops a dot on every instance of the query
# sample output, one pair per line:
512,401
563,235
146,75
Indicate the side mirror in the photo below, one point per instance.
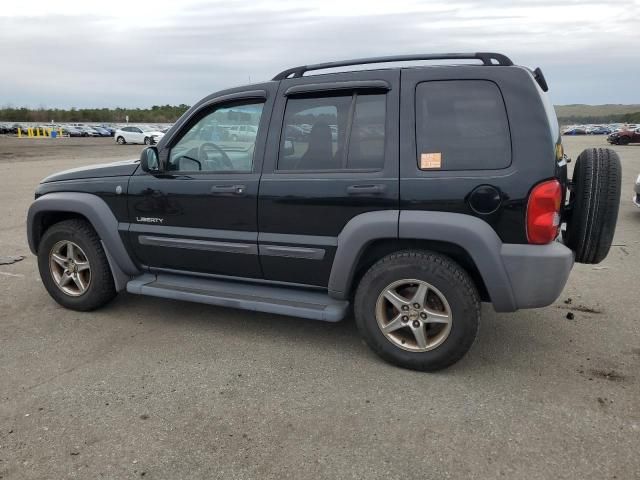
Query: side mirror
287,148
149,161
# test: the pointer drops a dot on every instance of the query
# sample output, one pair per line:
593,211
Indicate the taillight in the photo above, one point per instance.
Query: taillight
543,212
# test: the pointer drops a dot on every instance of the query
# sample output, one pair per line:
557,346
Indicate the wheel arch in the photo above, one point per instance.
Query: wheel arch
54,207
468,240
378,249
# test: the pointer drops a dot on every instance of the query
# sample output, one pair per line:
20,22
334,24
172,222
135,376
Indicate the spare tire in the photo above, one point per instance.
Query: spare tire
594,201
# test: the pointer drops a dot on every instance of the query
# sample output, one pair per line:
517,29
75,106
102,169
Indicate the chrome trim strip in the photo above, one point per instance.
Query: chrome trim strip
248,280
207,245
207,233
292,252
288,238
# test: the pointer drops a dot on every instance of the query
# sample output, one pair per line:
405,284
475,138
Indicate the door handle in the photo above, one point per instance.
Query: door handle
366,189
228,190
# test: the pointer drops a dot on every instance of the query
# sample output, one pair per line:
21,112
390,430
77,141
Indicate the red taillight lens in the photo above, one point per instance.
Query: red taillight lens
543,212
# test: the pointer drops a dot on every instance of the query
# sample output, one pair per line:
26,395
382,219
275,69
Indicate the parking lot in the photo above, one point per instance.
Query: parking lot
162,389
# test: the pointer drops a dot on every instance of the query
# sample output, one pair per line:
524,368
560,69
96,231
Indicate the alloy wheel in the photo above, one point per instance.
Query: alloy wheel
70,268
413,315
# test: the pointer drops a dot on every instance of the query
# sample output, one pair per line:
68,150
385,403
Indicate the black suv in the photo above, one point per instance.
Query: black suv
412,194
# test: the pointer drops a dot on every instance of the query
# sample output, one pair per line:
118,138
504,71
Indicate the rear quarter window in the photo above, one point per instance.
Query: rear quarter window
464,123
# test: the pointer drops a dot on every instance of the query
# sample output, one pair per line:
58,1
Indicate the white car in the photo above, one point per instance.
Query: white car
136,134
243,133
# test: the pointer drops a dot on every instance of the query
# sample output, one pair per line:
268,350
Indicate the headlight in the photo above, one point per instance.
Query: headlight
638,180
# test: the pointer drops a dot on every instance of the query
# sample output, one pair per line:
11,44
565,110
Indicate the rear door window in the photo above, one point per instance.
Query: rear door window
334,133
461,125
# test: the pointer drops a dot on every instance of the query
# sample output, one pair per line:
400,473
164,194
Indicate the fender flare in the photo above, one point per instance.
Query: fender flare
356,235
98,213
472,234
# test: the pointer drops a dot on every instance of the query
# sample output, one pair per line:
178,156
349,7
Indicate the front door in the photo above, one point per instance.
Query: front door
199,214
333,156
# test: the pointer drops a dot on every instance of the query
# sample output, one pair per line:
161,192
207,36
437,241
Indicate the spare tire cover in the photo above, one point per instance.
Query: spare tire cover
594,200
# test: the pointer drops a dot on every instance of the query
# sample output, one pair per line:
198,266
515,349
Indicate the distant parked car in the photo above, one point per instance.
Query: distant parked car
138,134
87,131
624,137
243,133
72,131
599,130
110,128
102,131
296,133
574,131
16,126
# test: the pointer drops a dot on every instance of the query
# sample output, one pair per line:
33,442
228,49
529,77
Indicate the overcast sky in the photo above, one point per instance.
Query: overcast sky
137,53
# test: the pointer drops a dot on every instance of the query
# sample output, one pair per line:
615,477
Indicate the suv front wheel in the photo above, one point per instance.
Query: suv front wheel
418,310
73,266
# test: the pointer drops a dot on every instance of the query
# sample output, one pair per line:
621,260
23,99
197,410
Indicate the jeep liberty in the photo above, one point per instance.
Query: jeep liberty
410,194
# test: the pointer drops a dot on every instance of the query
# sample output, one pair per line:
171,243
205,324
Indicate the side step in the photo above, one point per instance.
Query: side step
248,296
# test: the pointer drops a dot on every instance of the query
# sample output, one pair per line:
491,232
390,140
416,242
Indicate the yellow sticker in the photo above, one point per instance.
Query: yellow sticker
430,160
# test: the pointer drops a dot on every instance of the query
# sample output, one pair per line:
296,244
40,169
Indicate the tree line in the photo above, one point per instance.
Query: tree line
170,113
155,114
633,117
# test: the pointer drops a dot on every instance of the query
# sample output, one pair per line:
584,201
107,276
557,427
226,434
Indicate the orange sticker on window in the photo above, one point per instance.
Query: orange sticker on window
430,160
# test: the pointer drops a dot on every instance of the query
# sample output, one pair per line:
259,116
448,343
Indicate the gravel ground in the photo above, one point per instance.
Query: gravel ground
161,389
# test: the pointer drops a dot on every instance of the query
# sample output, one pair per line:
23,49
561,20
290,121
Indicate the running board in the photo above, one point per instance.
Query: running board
295,302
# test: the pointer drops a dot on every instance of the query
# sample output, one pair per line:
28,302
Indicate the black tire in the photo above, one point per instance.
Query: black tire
624,140
595,200
441,272
101,288
120,141
147,141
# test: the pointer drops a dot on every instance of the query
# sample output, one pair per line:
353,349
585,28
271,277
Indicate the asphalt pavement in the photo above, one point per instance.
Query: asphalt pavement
162,389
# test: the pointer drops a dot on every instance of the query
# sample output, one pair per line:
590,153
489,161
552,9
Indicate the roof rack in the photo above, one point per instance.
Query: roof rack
487,58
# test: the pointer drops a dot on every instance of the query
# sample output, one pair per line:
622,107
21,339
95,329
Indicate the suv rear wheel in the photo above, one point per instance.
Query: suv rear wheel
73,266
418,310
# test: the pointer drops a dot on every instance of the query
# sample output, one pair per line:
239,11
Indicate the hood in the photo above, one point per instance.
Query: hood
115,169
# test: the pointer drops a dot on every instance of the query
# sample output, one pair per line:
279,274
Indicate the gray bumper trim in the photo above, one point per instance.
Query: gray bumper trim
538,273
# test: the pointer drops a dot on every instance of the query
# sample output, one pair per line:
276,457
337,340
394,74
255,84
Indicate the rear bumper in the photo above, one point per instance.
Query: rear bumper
537,273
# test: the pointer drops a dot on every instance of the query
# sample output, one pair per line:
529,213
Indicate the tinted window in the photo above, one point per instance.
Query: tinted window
463,123
333,133
366,145
218,142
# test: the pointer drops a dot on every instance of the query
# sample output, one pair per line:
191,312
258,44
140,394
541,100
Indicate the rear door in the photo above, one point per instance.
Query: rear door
332,154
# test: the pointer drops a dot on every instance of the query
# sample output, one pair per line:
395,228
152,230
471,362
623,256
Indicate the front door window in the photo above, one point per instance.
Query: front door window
221,141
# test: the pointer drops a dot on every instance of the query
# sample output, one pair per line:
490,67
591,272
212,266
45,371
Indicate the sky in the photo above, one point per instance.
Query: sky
138,53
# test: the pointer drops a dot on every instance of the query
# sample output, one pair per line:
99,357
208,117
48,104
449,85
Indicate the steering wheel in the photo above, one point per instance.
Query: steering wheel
226,161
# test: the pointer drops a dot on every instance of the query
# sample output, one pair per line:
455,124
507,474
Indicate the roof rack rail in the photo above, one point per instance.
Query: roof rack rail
487,58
